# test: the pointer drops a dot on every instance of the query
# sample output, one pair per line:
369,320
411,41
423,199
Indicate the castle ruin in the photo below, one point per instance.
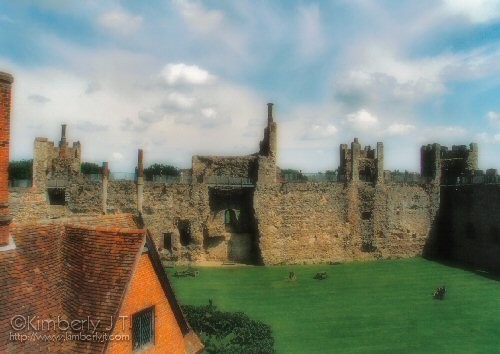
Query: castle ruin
238,209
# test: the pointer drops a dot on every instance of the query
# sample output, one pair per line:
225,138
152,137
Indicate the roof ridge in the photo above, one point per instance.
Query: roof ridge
119,230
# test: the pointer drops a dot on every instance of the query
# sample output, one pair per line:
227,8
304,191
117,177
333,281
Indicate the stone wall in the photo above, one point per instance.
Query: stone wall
272,223
469,226
237,166
329,222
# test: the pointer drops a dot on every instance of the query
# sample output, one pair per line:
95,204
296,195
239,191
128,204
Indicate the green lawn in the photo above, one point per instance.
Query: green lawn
362,307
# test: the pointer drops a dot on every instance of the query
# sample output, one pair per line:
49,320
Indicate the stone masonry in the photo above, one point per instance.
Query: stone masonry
234,208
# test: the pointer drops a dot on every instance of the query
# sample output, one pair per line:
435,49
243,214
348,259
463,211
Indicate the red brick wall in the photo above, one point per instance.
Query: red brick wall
145,291
5,102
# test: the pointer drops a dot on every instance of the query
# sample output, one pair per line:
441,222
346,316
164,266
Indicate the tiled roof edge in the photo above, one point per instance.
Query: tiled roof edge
119,230
127,286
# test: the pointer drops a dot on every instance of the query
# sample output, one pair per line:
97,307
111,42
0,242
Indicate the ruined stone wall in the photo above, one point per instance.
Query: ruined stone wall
280,223
238,166
324,222
167,206
30,204
302,223
469,226
403,219
50,161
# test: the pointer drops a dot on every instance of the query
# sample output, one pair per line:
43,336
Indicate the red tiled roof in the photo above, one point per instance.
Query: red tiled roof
73,271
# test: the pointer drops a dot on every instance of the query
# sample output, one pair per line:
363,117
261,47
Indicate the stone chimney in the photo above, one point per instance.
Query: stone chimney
270,113
63,134
140,179
105,178
63,144
5,103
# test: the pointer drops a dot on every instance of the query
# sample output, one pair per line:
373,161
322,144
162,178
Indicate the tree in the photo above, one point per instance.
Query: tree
90,168
293,175
160,170
229,332
22,169
331,175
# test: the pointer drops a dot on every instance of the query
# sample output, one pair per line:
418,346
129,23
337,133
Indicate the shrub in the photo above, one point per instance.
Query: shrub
90,168
160,170
229,332
22,169
293,175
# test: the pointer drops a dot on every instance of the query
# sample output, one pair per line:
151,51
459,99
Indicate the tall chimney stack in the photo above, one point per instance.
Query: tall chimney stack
5,103
270,113
105,178
63,144
140,179
63,133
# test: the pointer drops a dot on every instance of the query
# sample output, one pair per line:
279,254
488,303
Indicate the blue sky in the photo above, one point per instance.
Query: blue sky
186,77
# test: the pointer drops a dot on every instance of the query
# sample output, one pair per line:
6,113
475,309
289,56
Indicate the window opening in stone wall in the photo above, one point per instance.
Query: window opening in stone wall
227,217
184,232
167,241
366,215
57,196
143,328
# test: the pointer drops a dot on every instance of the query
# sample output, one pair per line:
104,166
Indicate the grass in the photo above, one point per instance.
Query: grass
362,307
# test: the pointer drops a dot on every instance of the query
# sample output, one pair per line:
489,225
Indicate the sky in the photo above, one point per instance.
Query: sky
185,77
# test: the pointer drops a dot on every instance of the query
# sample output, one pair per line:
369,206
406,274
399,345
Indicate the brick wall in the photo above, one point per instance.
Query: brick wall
144,292
5,102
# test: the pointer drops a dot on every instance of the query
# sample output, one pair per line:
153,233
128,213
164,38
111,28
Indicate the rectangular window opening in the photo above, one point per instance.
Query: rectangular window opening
143,328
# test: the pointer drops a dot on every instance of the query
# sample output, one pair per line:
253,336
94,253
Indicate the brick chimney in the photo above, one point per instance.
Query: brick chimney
5,102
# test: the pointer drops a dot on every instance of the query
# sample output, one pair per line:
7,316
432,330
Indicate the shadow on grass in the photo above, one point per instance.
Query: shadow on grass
466,267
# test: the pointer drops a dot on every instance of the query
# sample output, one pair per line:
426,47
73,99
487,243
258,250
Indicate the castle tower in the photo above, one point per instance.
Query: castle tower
6,81
357,164
430,164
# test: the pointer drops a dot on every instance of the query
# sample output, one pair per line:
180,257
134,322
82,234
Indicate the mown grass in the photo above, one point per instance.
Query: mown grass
362,307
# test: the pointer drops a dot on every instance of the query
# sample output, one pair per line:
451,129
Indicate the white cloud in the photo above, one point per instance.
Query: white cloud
120,22
198,17
319,132
488,138
117,156
378,75
450,131
180,100
362,120
180,73
209,112
476,11
400,129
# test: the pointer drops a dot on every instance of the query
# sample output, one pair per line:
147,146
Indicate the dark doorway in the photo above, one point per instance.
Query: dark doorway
57,196
167,241
184,232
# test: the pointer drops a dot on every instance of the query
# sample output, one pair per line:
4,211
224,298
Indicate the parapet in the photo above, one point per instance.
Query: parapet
445,165
365,164
55,161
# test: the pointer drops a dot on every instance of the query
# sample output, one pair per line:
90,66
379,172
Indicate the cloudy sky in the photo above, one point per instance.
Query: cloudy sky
186,77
